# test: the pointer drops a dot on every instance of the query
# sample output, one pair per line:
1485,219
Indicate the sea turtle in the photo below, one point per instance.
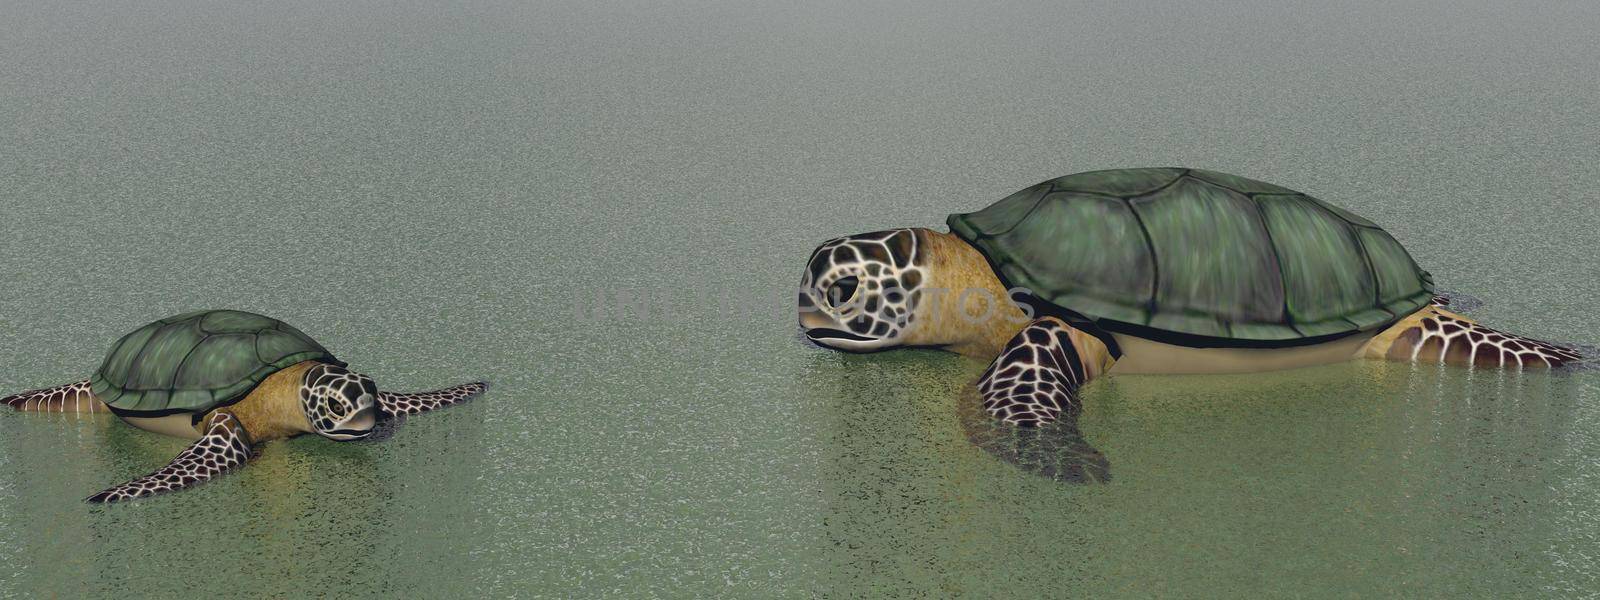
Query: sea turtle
1157,270
227,380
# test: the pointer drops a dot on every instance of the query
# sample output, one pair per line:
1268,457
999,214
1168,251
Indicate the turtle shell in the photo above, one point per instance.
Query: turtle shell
198,361
1198,258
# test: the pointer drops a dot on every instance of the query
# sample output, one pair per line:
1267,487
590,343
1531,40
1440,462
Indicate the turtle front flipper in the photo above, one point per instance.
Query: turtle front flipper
409,404
1033,389
1436,335
1037,375
225,446
71,398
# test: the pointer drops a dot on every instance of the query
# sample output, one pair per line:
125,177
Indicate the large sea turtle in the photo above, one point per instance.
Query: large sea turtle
1163,270
227,380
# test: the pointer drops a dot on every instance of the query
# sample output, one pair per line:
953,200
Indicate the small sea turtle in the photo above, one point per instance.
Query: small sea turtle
227,380
1142,271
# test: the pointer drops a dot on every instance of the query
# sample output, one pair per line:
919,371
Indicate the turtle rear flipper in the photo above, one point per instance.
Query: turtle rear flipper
1436,335
71,398
396,404
225,446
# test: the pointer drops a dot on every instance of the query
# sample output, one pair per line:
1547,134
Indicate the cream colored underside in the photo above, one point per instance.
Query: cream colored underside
179,425
1142,356
271,411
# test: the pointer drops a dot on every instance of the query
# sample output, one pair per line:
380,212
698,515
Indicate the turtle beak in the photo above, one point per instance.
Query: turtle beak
812,317
821,329
358,425
362,421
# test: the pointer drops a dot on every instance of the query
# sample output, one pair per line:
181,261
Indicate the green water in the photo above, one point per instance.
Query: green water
447,193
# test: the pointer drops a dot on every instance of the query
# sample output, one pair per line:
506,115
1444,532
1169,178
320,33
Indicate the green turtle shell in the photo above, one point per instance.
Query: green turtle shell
198,361
1198,257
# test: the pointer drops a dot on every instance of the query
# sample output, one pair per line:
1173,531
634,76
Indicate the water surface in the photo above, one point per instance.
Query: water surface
446,193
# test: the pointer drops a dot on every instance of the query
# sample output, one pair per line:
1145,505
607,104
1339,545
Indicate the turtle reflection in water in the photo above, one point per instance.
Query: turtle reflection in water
1138,271
228,380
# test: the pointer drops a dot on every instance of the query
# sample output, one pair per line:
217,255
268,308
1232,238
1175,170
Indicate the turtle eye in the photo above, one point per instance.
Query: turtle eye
842,291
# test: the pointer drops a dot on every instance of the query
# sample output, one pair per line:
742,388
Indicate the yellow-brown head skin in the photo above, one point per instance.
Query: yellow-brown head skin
272,410
905,287
278,407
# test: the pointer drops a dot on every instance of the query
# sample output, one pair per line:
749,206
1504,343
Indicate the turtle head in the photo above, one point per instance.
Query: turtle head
860,293
341,404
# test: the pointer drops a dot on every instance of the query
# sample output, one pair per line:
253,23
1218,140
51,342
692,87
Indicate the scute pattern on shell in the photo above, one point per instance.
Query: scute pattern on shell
224,446
1197,258
197,362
